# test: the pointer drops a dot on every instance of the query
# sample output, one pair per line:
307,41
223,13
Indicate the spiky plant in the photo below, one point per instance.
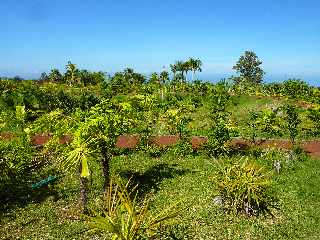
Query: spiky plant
124,217
244,187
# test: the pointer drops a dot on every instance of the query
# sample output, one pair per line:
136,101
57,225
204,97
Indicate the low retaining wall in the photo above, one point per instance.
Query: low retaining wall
123,141
312,147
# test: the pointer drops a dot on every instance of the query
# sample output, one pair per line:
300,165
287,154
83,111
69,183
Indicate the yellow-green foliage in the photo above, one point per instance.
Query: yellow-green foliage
124,217
243,187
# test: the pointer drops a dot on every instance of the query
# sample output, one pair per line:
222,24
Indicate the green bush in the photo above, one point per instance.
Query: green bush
268,121
244,187
292,121
296,88
15,162
314,115
219,133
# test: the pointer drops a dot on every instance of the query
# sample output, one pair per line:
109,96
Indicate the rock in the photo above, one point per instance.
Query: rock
277,166
218,201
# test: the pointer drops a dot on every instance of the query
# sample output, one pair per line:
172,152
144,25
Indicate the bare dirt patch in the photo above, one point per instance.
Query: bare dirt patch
311,147
166,140
127,141
7,136
41,139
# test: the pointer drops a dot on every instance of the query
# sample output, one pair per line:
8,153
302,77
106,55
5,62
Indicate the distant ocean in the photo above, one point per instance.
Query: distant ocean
311,80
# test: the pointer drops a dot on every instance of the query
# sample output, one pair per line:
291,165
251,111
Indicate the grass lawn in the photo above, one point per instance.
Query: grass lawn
170,179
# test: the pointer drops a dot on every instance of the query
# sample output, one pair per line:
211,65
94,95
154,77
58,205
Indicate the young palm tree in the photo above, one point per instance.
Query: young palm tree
78,158
154,78
95,138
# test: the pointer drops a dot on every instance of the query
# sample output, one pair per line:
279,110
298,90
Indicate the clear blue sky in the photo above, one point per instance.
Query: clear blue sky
38,35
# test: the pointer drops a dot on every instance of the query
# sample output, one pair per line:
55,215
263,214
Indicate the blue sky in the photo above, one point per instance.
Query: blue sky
38,35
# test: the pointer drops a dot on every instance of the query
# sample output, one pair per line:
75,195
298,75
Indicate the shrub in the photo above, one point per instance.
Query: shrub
268,121
218,134
244,187
296,88
124,218
314,116
293,121
15,163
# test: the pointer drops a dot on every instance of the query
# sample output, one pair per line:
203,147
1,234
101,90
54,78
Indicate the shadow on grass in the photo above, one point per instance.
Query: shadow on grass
150,179
18,194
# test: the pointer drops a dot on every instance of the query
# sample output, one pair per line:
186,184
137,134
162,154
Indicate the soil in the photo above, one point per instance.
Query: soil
41,139
127,141
305,105
7,136
164,141
197,142
65,139
311,147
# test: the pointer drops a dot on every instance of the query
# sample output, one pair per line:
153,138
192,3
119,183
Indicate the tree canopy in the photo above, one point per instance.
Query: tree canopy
249,68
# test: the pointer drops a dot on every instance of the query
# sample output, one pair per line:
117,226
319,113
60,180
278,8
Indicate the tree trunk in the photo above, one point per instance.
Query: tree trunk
162,97
83,194
106,157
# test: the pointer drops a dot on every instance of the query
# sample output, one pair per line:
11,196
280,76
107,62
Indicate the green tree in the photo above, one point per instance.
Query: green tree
55,76
124,82
72,74
154,78
195,65
173,69
44,77
180,67
95,138
249,68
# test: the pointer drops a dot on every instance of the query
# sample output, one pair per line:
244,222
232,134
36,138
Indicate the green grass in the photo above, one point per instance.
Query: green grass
170,179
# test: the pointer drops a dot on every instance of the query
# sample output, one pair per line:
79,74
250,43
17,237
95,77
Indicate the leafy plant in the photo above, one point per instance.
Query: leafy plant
295,88
97,133
293,121
269,122
124,217
314,115
244,187
252,124
16,166
218,134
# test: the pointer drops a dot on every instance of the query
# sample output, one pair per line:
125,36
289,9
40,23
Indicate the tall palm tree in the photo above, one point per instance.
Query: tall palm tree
195,65
164,77
173,68
187,67
180,66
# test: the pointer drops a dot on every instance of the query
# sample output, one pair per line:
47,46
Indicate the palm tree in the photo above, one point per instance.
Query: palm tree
187,67
164,77
180,67
195,65
173,68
